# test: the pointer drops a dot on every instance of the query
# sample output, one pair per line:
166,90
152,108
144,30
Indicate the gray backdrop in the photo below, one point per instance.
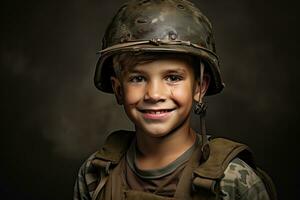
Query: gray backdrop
52,117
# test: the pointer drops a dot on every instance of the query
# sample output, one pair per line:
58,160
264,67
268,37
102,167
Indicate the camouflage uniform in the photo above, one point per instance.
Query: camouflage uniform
239,183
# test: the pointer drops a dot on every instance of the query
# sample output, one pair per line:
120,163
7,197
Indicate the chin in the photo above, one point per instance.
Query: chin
155,132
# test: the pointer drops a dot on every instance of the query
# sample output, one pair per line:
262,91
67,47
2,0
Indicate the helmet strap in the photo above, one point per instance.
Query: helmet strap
200,110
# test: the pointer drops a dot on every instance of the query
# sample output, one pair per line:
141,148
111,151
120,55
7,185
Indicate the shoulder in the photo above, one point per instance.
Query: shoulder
112,150
115,144
86,176
241,182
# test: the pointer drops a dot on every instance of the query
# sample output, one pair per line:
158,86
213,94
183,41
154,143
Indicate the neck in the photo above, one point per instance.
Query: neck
157,152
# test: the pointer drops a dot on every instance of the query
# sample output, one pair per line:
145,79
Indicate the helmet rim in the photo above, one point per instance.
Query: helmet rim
104,67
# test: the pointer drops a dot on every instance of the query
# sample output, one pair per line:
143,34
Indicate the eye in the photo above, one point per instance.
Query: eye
174,78
137,79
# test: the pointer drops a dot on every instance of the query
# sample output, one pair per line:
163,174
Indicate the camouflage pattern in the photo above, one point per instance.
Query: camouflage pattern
241,183
173,26
86,181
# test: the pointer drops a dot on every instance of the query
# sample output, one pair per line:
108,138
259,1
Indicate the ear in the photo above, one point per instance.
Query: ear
116,85
203,87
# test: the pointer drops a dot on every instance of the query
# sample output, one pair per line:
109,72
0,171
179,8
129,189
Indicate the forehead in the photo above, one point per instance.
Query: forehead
131,58
166,64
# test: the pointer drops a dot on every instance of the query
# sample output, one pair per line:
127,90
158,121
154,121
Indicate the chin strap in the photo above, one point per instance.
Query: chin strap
200,110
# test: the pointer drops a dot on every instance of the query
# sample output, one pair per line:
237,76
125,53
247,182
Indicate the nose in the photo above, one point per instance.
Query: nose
155,91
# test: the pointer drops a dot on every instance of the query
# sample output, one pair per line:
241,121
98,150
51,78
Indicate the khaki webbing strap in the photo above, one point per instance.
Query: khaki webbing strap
202,121
205,147
184,186
103,180
114,188
205,183
110,155
104,167
185,189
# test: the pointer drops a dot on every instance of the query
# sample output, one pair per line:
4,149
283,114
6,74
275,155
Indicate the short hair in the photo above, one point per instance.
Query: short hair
120,61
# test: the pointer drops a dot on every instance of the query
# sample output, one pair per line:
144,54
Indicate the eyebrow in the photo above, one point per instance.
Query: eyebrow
133,71
177,70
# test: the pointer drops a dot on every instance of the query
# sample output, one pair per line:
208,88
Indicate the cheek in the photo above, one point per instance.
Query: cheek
132,95
183,94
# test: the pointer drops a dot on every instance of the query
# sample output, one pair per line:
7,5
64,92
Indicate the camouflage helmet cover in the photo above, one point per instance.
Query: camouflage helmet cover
158,26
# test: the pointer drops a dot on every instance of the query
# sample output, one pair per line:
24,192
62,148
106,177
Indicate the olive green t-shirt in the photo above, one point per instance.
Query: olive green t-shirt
161,181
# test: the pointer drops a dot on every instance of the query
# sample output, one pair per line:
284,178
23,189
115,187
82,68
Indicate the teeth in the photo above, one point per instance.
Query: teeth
156,112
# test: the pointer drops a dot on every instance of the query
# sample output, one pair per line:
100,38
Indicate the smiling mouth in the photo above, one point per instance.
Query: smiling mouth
156,112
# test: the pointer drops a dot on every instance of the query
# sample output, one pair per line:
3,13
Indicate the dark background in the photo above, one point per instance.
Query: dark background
53,118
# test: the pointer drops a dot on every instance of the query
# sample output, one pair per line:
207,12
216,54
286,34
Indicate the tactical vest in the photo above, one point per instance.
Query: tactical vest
199,180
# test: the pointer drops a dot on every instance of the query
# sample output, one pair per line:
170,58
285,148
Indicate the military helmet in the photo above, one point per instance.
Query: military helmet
166,26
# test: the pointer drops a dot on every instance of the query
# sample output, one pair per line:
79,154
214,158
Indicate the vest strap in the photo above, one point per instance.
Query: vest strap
109,156
223,151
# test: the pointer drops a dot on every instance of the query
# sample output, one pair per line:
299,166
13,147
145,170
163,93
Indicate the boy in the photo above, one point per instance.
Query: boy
158,57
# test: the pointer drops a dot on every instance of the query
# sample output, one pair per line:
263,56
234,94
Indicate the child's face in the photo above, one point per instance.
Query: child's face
157,96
